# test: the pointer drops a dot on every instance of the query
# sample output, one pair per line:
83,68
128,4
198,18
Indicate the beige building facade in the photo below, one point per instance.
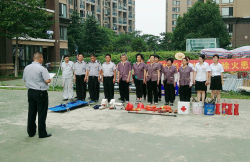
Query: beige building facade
235,14
118,15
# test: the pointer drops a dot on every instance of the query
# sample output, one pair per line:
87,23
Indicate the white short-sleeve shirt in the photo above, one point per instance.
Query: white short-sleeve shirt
201,71
216,69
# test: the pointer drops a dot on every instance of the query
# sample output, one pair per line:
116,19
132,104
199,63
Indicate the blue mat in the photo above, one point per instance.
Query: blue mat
69,105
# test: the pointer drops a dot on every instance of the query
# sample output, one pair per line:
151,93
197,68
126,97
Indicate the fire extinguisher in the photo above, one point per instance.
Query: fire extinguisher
236,108
230,105
217,109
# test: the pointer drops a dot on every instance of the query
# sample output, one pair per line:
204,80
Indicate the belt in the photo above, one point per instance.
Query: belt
215,75
93,76
37,90
107,76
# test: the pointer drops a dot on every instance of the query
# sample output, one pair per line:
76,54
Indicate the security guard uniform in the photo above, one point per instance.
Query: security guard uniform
35,76
67,75
108,76
94,69
80,72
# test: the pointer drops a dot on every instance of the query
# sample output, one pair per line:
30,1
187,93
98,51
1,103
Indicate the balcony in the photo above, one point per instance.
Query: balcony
125,7
120,6
98,9
115,21
114,12
115,0
130,15
120,20
107,12
107,25
93,1
115,27
130,2
130,29
125,21
87,0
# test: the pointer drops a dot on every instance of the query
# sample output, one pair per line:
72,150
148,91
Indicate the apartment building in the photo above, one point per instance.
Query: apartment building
235,14
118,15
52,48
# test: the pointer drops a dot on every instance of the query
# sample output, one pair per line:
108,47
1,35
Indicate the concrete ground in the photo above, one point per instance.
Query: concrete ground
85,134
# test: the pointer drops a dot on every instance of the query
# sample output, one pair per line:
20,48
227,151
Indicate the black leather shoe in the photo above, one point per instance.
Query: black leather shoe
48,135
32,135
65,100
171,104
166,103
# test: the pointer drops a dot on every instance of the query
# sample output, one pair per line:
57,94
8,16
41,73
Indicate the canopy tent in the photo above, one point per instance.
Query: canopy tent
240,52
209,52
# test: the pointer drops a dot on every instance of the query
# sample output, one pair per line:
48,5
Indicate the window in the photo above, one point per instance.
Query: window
176,9
188,8
230,29
227,1
189,2
63,33
173,29
227,11
175,16
71,2
174,22
176,3
62,10
70,11
217,1
82,4
82,13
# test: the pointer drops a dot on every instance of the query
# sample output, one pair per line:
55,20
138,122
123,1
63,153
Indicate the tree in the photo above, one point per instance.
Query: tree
75,32
138,45
94,37
166,41
123,42
24,18
203,20
151,41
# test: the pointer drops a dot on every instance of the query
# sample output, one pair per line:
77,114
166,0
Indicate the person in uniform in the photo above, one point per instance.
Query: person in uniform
124,72
216,77
37,78
67,75
185,80
139,75
153,79
169,81
201,78
144,84
80,77
192,66
161,67
94,70
108,77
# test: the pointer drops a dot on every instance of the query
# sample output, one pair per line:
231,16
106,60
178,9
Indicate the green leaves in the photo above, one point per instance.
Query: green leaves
203,20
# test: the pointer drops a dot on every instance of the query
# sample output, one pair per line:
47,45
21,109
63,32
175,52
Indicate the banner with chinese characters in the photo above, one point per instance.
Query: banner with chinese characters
242,64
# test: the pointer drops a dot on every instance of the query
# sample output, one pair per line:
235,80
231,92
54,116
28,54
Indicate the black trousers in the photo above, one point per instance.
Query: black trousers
38,103
108,87
184,93
152,87
124,90
159,89
169,92
139,87
80,87
94,88
144,90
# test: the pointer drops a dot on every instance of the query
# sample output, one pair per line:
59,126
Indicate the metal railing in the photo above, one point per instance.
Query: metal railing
125,21
130,2
114,12
130,15
98,9
120,20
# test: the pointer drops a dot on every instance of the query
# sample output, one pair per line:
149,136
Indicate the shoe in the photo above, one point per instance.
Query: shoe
156,103
166,103
159,99
89,98
48,135
127,101
119,98
96,101
149,103
76,97
83,100
32,135
65,100
171,104
122,101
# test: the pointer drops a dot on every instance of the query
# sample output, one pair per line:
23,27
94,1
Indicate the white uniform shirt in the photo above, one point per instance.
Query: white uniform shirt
67,69
108,69
216,69
201,71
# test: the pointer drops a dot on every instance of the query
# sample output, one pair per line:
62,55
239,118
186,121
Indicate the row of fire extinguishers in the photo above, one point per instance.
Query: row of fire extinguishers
227,109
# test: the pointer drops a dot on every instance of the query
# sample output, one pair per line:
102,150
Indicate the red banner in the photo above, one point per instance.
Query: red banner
241,64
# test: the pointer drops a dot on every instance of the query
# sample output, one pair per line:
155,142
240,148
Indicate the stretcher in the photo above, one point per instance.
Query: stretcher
69,105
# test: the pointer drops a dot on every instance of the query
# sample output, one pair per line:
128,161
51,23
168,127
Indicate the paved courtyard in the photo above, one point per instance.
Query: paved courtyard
85,134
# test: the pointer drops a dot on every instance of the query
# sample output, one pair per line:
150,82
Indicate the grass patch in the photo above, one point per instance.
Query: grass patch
11,77
231,95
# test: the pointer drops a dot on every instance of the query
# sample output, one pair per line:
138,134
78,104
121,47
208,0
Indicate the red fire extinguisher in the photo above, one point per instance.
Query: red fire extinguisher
230,105
236,108
217,109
